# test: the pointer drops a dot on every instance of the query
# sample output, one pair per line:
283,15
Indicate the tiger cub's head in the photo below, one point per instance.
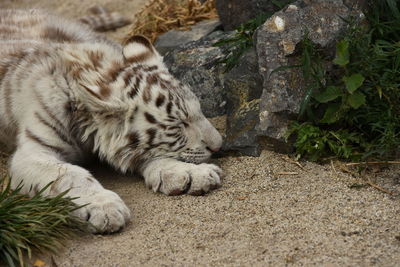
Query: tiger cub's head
135,111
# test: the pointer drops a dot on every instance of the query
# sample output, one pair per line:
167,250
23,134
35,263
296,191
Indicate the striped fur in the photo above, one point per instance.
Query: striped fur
67,92
103,20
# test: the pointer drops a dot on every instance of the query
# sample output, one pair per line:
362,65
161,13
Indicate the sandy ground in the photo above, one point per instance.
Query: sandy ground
269,212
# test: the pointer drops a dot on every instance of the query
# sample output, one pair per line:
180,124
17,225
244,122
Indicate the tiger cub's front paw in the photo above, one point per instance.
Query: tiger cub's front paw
105,211
180,178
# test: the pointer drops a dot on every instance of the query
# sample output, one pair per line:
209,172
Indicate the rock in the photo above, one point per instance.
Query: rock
243,86
276,42
259,103
174,38
232,13
236,93
195,64
357,4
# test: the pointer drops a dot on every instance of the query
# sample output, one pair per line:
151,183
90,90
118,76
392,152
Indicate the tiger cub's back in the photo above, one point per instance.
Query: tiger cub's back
26,35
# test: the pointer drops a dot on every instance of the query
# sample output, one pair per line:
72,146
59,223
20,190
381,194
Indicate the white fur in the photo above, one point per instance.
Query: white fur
53,115
173,177
134,49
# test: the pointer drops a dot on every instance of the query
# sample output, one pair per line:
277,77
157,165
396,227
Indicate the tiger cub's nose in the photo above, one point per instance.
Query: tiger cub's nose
214,150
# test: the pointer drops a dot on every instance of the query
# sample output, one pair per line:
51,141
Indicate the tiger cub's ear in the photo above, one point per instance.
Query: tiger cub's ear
138,49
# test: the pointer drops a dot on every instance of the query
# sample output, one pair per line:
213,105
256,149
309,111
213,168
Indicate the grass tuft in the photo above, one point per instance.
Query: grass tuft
39,223
234,47
242,40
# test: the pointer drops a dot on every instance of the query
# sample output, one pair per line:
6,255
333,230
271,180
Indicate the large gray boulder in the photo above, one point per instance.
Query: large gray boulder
235,93
196,64
232,13
174,38
243,87
276,42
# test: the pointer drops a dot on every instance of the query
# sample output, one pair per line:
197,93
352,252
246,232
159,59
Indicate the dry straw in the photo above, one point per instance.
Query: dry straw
160,16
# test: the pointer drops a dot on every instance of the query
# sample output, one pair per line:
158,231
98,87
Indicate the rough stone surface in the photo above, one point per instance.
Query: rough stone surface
276,42
174,38
243,86
196,64
235,12
357,4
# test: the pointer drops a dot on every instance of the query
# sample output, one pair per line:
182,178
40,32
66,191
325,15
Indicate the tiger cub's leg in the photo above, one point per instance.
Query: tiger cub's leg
173,177
37,162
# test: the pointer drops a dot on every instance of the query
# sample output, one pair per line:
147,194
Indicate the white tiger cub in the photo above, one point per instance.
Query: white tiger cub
66,91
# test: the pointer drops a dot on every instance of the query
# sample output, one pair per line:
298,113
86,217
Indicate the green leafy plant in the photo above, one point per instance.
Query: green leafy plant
358,98
317,143
38,223
344,94
234,47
